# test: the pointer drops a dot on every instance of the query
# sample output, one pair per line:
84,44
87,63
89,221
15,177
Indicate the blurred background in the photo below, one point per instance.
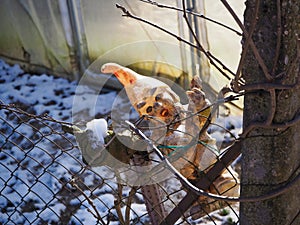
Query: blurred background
64,37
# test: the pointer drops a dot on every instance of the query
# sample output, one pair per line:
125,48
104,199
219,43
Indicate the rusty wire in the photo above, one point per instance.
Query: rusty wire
46,181
43,174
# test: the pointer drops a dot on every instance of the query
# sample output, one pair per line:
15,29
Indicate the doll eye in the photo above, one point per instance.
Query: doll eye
158,97
152,91
149,109
140,105
157,104
164,113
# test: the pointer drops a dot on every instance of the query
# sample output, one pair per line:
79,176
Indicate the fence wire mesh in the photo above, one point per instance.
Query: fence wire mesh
44,181
52,173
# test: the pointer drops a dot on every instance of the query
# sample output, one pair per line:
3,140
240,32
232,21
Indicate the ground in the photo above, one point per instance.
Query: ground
35,176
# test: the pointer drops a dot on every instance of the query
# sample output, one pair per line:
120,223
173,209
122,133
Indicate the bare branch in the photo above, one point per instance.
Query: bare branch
96,213
269,86
128,14
207,53
253,46
211,58
128,205
245,49
282,189
117,203
191,28
222,65
192,13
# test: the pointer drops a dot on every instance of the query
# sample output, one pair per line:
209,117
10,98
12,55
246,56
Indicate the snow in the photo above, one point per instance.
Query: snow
99,128
44,172
230,123
42,168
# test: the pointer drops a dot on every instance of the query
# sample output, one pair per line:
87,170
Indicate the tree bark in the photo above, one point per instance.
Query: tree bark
271,157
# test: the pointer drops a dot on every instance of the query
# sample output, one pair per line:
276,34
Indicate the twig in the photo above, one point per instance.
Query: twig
215,105
206,53
253,46
128,14
222,64
117,203
96,214
225,130
192,13
204,182
270,86
128,205
190,27
245,48
282,189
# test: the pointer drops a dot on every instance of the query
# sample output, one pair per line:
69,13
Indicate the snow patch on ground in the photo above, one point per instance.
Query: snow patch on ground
28,193
25,199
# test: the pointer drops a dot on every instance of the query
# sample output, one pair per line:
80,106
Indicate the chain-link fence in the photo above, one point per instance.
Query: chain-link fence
56,172
44,181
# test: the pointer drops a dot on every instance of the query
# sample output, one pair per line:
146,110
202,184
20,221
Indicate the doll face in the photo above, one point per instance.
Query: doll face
159,106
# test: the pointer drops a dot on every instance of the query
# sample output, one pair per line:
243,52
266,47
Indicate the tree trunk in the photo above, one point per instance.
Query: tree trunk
271,156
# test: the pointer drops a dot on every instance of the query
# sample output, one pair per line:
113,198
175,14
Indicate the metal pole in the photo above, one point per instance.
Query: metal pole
79,34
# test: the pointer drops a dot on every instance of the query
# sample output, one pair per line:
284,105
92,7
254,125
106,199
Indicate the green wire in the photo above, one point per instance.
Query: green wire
212,149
